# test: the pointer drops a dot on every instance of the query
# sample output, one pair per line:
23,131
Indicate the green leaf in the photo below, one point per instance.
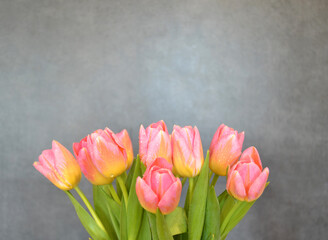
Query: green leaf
87,221
103,204
222,198
229,203
123,226
162,229
152,223
238,214
212,216
134,209
177,221
143,168
130,175
144,232
118,187
197,207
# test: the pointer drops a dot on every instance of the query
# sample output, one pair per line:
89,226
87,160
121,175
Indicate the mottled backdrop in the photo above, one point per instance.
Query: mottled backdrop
69,67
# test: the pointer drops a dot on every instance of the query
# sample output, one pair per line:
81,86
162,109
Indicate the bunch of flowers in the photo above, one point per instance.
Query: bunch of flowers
144,204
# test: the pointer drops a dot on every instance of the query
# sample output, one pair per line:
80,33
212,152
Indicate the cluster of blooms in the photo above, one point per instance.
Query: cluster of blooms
104,156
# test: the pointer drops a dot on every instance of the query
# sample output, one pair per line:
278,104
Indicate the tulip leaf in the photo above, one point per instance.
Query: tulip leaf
87,221
177,221
236,213
237,216
144,232
228,205
103,207
143,167
130,175
163,230
134,209
222,198
212,217
152,223
197,207
118,187
123,222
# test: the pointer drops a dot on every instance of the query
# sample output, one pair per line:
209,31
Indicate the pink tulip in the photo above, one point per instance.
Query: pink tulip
102,156
225,149
246,180
159,188
59,166
187,149
154,142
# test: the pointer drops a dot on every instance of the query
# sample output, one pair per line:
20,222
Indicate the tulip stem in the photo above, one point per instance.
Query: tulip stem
113,193
123,188
191,189
215,179
183,181
90,208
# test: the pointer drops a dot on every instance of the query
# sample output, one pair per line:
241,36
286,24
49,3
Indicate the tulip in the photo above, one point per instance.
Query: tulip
154,142
159,188
59,166
246,180
102,156
225,149
187,151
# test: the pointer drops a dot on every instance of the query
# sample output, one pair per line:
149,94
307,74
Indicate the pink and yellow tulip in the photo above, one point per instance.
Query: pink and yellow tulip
187,149
225,149
154,142
246,180
159,188
59,166
104,155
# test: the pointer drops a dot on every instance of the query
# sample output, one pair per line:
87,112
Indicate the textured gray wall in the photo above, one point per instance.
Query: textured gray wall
69,67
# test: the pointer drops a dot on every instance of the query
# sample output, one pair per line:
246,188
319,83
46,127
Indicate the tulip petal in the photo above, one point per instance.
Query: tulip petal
254,156
248,172
124,138
257,188
108,158
236,186
146,196
51,176
89,170
171,198
162,163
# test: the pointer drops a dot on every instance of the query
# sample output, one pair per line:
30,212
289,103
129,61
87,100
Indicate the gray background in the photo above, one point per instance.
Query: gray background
69,67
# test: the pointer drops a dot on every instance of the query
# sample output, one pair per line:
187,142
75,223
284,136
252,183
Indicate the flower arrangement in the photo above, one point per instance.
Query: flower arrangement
144,204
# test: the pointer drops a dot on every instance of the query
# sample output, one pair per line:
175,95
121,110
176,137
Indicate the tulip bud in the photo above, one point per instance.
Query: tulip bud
246,180
59,166
159,188
187,151
225,149
154,142
102,156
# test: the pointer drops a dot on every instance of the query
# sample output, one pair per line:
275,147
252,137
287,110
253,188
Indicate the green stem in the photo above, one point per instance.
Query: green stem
215,179
191,189
90,208
211,174
113,193
183,181
227,218
123,188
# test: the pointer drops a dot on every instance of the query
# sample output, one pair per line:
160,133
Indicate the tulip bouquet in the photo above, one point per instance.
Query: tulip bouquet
144,202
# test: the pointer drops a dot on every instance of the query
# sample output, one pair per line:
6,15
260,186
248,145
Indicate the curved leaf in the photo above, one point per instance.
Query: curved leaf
197,207
87,221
